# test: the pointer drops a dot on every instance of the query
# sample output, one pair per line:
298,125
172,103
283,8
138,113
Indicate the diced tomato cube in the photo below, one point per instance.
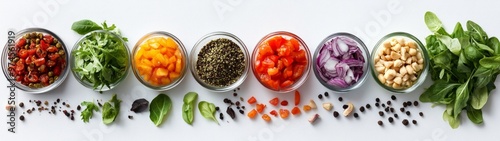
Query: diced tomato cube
274,101
295,110
252,100
276,42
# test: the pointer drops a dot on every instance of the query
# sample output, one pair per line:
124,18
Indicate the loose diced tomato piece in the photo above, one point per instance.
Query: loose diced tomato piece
266,117
295,110
252,100
274,101
252,113
265,49
297,98
284,113
260,107
300,56
274,113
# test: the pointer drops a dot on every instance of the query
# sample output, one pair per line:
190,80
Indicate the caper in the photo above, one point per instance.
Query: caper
58,45
42,68
26,36
55,41
56,77
33,35
40,35
15,59
38,85
37,41
31,85
51,74
51,80
61,52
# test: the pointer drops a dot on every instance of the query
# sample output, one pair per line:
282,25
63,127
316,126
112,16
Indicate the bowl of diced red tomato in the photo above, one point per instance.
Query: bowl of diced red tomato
35,60
281,61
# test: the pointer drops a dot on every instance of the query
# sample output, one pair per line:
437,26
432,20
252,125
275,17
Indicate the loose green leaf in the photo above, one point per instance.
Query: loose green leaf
159,108
188,107
476,116
110,112
207,110
85,26
88,112
438,91
479,97
461,99
432,22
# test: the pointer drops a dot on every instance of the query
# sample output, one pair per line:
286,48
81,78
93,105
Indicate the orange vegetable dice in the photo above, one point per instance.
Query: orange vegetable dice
295,110
284,113
306,108
266,117
252,113
275,101
252,100
260,107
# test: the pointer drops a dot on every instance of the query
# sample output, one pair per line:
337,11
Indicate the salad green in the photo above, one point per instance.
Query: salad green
464,67
101,57
110,112
188,107
159,108
90,107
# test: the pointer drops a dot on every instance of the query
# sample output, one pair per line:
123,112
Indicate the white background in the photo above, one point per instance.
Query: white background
250,20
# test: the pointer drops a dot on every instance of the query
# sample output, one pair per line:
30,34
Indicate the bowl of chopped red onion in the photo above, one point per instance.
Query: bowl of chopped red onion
341,62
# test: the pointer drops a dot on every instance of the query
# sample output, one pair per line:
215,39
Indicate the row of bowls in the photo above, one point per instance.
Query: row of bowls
369,63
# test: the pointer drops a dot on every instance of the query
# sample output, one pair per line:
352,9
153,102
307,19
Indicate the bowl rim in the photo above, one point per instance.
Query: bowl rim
366,64
181,46
305,74
212,36
88,84
423,74
24,88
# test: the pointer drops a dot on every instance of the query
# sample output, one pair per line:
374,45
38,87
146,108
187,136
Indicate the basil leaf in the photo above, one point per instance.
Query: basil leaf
188,107
438,91
494,44
479,98
109,113
432,22
85,26
462,96
207,110
476,116
159,108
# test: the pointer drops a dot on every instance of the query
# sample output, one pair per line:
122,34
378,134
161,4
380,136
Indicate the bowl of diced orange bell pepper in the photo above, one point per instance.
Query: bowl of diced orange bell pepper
281,61
159,60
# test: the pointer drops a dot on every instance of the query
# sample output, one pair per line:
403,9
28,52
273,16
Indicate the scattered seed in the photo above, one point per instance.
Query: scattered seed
405,122
21,117
393,97
386,109
404,104
55,103
390,119
238,88
376,104
383,105
242,112
392,110
389,103
64,103
362,109
72,117
235,94
320,96
377,99
21,105
78,108
408,103
58,100
46,103
217,108
421,114
38,103
356,115
381,113
326,94
396,116
28,111
341,99
368,106
130,117
414,122
66,113
221,116
380,123
243,107
415,103
408,113
345,106
402,109
335,114
241,99
67,106
237,103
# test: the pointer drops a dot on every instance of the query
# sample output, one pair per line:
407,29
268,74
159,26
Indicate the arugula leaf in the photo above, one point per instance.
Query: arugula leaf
83,27
490,62
90,107
159,108
207,110
109,113
188,107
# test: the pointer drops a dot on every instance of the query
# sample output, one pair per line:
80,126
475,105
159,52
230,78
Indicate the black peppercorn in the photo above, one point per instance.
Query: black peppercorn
405,122
368,106
217,108
392,110
380,123
21,105
355,115
345,106
235,94
341,99
408,113
421,114
243,107
362,109
408,103
381,113
402,109
386,109
393,97
415,103
396,116
388,102
335,114
414,122
38,103
390,119
242,112
21,117
376,104
404,104
326,94
320,96
221,116
130,117
77,107
383,105
377,99
237,103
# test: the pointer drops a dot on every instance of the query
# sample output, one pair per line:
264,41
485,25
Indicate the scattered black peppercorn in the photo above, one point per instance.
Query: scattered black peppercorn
392,110
404,104
408,113
341,99
77,108
377,99
408,103
393,97
21,117
130,117
415,103
355,115
64,103
345,106
391,119
242,112
235,94
421,114
320,96
66,113
362,109
376,104
72,117
21,105
335,114
243,107
221,116
414,122
386,109
396,116
405,122
55,103
381,113
389,103
238,88
237,103
58,100
402,109
238,107
383,105
38,103
326,94
230,112
139,105
368,106
217,108
380,123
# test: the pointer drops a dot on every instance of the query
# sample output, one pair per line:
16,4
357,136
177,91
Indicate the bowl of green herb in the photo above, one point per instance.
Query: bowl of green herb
100,60
220,61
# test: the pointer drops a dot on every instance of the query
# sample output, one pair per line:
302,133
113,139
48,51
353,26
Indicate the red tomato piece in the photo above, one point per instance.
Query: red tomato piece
284,113
274,101
276,42
286,84
31,52
300,56
52,49
284,103
295,44
272,71
32,78
43,45
265,49
57,70
252,100
274,113
297,98
260,107
268,63
22,53
287,61
298,70
295,110
48,39
21,43
44,78
20,65
39,61
40,53
53,56
50,63
288,72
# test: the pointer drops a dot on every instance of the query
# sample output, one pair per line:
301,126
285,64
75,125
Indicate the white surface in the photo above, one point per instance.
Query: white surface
250,20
